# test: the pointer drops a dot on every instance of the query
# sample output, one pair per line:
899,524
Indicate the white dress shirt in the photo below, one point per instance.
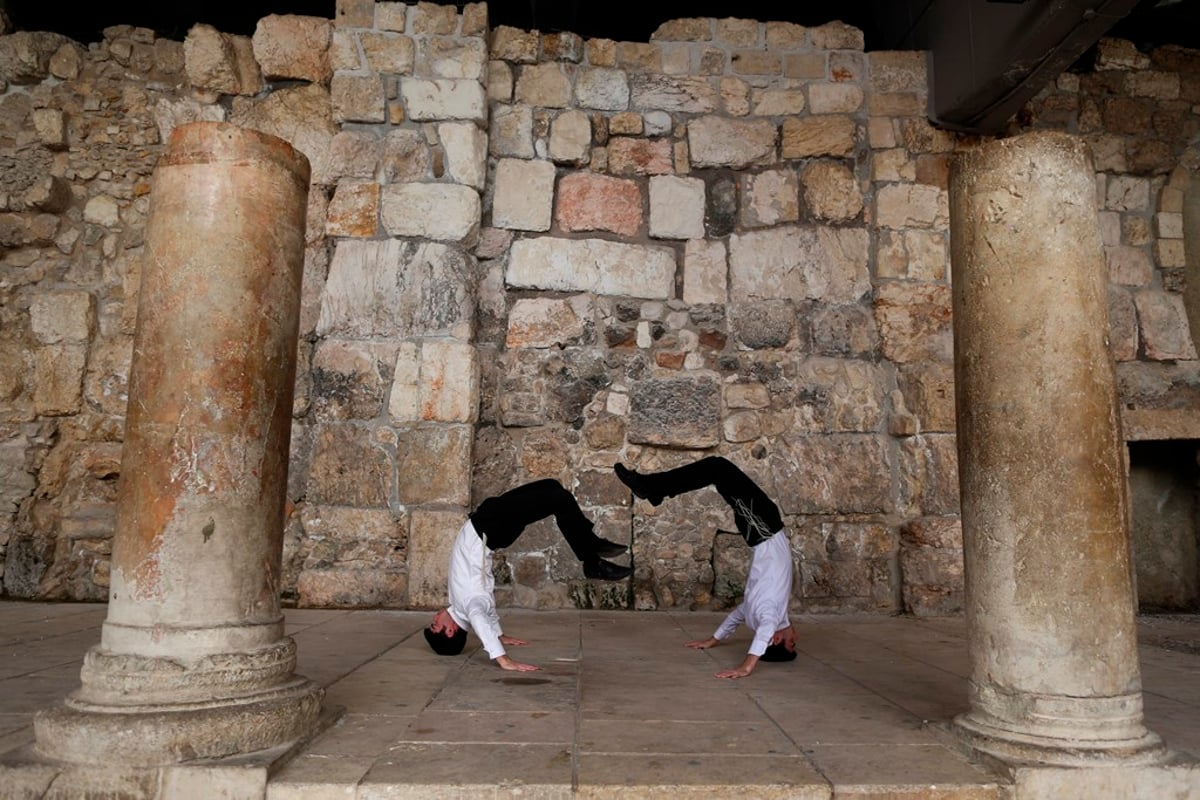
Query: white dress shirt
472,602
764,606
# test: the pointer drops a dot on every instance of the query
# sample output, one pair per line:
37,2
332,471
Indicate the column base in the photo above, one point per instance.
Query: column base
1024,747
153,735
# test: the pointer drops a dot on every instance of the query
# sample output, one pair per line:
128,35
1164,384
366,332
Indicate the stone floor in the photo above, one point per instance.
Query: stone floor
620,709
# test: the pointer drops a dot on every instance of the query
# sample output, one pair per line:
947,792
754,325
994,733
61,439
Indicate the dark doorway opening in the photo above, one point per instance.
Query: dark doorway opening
1164,485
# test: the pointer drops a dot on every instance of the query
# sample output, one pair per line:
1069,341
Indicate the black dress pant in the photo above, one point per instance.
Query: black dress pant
502,518
755,515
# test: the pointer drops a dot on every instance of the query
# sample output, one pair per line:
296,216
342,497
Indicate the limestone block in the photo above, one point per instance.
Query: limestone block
912,206
835,473
434,18
293,46
1163,326
1122,324
544,85
510,132
795,262
14,371
391,16
430,537
102,210
342,535
434,464
389,288
588,201
357,98
571,138
831,191
388,53
592,265
350,379
499,83
221,62
465,146
344,54
676,207
440,211
353,154
673,93
383,586
841,394
354,13
929,474
457,58
684,412
897,71
705,272
51,127
524,194
354,209
914,322
59,378
635,156
106,380
602,88
769,198
435,381
777,102
824,135
406,157
639,57
67,60
933,580
515,45
543,322
444,98
58,317
735,96
1127,193
349,467
1128,266
736,31
737,144
1119,54
756,63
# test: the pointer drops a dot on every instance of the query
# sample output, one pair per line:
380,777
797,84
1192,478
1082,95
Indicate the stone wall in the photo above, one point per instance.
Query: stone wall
533,255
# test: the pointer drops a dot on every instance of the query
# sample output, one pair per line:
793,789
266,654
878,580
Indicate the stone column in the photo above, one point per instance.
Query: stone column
1042,467
193,661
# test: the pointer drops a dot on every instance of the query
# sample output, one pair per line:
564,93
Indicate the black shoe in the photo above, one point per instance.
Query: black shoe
602,570
637,484
608,549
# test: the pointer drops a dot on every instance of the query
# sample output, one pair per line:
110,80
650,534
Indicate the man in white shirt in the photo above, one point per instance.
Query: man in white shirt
496,524
764,606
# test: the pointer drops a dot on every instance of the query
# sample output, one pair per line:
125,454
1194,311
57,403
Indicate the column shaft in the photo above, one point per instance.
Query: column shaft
1049,587
192,660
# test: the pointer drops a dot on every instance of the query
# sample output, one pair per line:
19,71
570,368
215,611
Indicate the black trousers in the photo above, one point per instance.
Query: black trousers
502,518
755,515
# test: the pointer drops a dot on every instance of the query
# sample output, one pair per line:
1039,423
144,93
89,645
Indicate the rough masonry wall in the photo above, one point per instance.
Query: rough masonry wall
535,255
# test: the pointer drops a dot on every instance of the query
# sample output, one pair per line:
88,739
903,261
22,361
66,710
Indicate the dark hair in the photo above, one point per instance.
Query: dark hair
778,652
445,645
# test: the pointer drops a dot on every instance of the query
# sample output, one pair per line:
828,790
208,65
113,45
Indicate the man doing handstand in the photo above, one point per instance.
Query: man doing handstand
496,524
764,606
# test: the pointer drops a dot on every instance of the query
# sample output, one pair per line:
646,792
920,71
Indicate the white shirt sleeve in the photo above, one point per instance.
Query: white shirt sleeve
731,622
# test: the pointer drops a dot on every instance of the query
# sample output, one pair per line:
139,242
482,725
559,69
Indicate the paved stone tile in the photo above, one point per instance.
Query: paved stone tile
33,656
853,767
474,770
645,736
671,775
482,686
360,735
513,727
319,777
824,719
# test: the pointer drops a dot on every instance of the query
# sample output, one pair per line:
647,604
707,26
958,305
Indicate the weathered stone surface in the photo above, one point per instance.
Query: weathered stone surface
832,473
392,288
799,262
435,381
676,413
720,142
438,211
350,379
596,266
293,46
524,194
221,62
590,202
